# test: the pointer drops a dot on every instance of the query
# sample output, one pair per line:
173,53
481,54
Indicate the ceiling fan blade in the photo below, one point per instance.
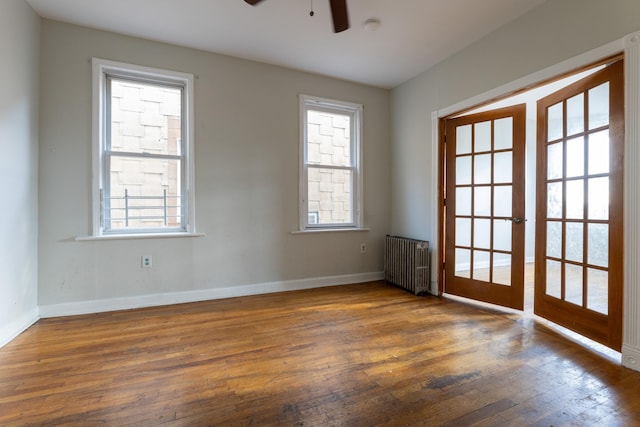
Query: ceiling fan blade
253,2
340,15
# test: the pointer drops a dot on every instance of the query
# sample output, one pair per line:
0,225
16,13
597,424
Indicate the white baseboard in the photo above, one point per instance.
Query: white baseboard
14,328
631,357
153,300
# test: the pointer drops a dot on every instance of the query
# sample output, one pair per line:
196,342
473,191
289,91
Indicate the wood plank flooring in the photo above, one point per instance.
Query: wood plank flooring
356,355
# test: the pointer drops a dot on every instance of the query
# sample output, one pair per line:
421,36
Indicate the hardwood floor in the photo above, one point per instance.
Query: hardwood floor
355,355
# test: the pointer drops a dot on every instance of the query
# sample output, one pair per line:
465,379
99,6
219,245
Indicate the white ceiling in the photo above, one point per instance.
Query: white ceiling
414,35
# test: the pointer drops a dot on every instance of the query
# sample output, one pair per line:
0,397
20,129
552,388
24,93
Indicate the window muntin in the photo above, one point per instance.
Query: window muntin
330,173
142,161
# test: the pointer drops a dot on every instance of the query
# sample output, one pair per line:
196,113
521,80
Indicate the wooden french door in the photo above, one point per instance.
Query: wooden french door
484,206
579,209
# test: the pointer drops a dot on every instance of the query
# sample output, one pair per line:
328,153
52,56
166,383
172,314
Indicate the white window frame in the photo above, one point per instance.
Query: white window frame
101,69
354,111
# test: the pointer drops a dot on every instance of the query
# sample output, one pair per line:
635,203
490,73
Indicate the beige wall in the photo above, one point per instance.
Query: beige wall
246,166
19,49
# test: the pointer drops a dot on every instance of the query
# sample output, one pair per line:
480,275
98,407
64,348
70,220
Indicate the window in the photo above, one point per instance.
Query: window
330,184
143,141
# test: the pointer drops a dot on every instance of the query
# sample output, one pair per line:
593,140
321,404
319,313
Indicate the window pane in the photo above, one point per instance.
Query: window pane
575,199
328,139
482,201
599,198
503,130
554,200
463,139
482,233
463,232
573,280
502,234
503,166
481,265
554,279
463,201
145,118
554,239
502,269
502,200
599,152
598,251
599,106
482,172
575,157
598,290
329,194
554,161
463,263
555,121
145,193
463,170
575,115
482,137
575,236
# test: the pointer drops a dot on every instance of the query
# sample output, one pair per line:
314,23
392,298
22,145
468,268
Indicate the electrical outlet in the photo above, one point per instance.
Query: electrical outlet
146,261
363,248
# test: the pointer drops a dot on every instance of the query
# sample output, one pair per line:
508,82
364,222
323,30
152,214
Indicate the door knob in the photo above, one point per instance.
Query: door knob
515,220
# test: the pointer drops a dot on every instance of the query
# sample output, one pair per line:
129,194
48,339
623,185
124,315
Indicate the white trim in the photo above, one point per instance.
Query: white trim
190,144
356,112
631,357
17,326
631,308
125,236
153,300
100,67
303,210
330,230
435,197
97,130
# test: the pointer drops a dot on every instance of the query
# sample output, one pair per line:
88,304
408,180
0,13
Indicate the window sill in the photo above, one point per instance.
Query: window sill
330,230
137,236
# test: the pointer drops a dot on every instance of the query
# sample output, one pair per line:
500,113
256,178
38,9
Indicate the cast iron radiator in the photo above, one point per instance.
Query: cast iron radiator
406,263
